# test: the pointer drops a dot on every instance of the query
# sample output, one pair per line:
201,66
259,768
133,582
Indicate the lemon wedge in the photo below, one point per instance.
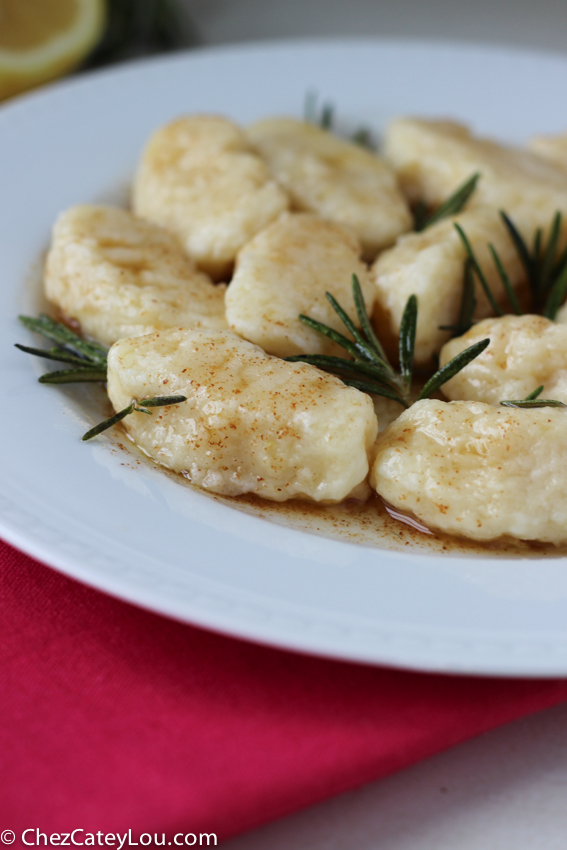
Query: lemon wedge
42,39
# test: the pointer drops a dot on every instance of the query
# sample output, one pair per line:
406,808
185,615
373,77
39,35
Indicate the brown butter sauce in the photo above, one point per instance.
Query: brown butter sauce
364,523
370,524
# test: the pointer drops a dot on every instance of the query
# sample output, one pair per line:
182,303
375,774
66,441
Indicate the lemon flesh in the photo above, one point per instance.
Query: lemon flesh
41,40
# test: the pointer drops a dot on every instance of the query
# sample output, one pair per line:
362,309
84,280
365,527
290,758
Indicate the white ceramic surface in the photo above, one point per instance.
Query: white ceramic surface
91,512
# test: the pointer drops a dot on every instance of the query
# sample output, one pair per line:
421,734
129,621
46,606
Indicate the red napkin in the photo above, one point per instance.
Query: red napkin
112,718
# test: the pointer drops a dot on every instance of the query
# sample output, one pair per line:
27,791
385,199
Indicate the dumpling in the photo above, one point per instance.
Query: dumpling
200,178
284,272
524,353
433,158
553,148
120,276
337,179
252,423
475,470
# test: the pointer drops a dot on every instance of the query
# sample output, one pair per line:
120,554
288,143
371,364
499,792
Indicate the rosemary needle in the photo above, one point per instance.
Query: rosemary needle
135,406
505,280
528,404
73,376
556,296
468,303
452,206
533,400
58,354
537,392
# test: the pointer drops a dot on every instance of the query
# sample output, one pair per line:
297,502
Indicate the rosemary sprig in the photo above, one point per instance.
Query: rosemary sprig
533,400
86,358
544,265
135,406
473,269
88,361
452,206
370,369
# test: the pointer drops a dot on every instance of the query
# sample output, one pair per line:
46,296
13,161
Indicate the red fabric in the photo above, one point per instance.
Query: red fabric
114,718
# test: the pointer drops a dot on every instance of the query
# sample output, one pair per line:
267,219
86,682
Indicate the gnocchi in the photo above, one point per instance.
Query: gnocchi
337,179
200,178
476,470
252,423
525,352
119,276
284,272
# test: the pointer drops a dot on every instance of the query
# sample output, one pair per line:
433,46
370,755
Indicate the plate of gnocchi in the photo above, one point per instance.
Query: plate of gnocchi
285,346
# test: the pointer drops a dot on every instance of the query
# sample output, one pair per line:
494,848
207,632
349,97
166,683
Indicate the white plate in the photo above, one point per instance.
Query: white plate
132,531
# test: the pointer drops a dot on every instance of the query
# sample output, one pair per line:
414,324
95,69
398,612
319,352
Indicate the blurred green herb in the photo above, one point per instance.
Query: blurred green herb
324,116
139,27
